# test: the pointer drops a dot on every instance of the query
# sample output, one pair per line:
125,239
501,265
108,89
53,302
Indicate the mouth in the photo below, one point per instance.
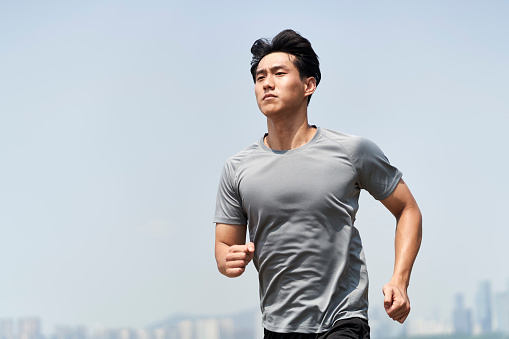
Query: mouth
268,96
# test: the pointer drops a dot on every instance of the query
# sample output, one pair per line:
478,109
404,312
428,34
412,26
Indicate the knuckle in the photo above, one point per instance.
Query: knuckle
234,272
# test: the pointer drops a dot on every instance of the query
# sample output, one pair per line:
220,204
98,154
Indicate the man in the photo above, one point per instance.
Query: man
297,189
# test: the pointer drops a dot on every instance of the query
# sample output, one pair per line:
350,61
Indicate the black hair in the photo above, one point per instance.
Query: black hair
291,42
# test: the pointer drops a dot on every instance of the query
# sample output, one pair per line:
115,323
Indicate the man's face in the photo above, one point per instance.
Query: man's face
278,86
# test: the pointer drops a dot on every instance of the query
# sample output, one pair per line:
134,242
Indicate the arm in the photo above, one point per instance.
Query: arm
232,253
403,206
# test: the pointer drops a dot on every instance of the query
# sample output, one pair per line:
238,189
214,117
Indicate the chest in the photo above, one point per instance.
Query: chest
307,179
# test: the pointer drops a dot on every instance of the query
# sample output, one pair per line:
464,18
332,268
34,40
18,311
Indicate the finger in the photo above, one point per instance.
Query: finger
236,263
250,247
234,272
238,248
249,258
394,311
401,319
401,312
388,296
250,253
237,256
395,315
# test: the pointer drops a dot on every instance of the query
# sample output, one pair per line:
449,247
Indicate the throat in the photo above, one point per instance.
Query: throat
286,140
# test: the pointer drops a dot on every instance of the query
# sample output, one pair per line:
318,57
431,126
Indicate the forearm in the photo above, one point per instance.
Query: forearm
407,243
232,253
221,250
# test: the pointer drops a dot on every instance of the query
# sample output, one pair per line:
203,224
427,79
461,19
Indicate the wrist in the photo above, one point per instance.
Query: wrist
400,282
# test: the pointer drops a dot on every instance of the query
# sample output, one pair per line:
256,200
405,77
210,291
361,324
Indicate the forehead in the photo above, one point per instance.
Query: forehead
276,59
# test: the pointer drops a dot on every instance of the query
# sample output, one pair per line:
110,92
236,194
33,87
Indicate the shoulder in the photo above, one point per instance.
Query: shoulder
352,144
233,162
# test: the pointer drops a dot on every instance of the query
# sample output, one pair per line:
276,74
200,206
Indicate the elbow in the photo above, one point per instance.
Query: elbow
220,262
221,268
420,225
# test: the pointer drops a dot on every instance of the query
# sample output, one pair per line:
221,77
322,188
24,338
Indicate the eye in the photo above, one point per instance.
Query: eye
280,73
261,77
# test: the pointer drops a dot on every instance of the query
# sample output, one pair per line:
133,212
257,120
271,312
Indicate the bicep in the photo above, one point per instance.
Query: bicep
231,234
399,200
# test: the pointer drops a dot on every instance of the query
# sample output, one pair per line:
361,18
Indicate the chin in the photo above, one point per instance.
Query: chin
269,110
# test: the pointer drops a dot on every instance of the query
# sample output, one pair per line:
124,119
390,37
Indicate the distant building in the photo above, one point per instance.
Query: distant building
142,334
483,307
226,328
185,329
29,328
462,317
69,332
125,333
502,311
207,329
102,333
6,328
427,327
161,333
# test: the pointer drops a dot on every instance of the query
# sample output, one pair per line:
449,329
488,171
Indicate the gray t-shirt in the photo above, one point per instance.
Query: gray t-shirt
300,208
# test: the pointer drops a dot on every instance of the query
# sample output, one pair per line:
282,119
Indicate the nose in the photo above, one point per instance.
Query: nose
268,82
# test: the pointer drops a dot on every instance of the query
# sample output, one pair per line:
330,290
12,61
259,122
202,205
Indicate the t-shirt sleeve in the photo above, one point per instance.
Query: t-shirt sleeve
374,172
228,202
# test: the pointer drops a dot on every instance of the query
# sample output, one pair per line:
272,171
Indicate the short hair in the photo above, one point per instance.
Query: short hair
291,42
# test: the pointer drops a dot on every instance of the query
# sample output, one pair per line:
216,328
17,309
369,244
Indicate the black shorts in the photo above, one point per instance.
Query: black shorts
353,328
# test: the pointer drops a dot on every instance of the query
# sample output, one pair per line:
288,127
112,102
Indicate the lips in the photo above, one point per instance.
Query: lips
268,96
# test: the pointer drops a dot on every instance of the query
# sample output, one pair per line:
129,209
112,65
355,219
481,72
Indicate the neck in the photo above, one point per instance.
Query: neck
288,134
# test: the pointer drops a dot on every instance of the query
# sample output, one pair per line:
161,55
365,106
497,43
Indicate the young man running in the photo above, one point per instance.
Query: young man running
297,190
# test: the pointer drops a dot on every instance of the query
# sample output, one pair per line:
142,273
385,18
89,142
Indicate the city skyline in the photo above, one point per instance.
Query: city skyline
491,317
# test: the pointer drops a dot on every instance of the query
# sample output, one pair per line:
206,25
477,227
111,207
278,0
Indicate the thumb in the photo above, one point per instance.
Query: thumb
388,294
250,247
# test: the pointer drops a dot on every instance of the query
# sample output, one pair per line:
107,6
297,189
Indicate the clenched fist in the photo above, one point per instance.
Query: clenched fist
396,302
237,259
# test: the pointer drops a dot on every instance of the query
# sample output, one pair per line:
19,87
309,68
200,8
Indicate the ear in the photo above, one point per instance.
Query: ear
309,86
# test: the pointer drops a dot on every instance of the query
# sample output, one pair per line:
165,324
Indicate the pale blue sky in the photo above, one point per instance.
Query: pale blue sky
116,118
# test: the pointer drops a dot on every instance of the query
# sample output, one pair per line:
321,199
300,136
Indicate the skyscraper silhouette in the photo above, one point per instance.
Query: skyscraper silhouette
462,317
483,307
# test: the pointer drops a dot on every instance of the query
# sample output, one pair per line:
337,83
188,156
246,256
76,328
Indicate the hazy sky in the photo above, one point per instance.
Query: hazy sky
117,116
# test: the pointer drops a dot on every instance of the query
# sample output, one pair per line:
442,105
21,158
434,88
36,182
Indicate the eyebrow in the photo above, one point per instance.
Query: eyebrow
272,69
